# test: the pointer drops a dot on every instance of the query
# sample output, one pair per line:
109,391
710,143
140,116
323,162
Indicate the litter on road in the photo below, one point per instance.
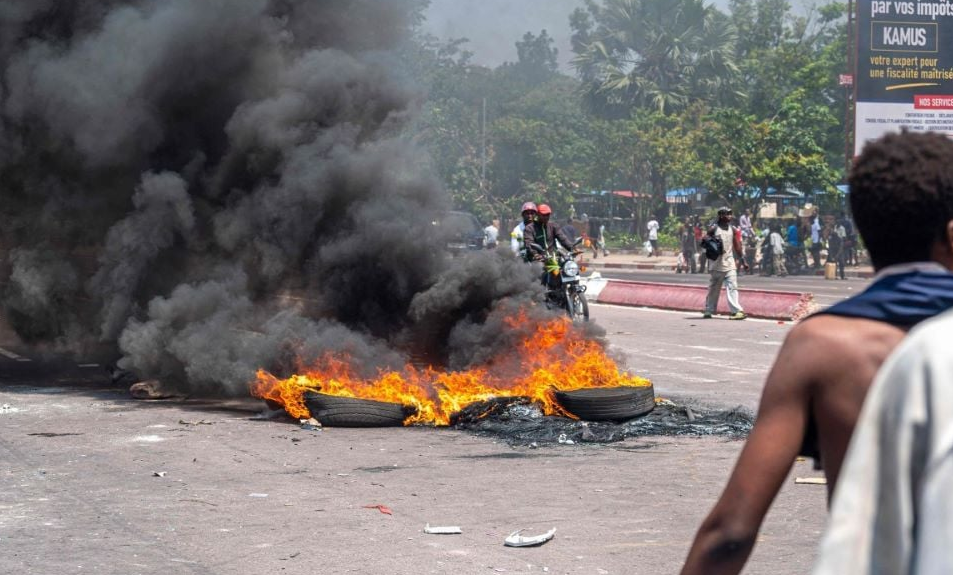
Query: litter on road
810,480
517,540
382,508
449,530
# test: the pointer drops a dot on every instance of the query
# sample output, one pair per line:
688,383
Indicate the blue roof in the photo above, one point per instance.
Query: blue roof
844,189
684,192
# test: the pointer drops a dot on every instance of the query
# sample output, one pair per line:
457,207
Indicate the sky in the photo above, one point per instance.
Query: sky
494,26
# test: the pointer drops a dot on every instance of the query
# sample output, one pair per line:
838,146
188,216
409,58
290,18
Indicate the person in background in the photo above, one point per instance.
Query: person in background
850,246
764,246
723,270
777,246
491,234
699,234
570,231
751,252
528,213
816,241
653,236
597,237
795,248
686,237
902,200
747,229
836,249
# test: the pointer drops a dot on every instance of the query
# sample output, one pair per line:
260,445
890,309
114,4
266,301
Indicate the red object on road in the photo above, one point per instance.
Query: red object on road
767,304
382,508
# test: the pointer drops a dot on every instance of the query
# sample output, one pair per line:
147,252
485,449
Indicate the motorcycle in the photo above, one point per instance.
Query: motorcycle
562,280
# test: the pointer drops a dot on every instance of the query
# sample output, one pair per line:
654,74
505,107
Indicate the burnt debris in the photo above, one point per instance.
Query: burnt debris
519,422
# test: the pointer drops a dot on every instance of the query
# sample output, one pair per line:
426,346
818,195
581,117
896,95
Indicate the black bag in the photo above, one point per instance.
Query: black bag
713,247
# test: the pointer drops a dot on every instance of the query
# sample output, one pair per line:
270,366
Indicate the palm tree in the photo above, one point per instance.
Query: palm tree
660,54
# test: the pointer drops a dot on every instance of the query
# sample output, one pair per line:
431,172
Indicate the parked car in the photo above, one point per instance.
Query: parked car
462,231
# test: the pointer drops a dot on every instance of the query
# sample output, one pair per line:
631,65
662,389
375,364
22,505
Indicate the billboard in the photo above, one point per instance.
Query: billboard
904,72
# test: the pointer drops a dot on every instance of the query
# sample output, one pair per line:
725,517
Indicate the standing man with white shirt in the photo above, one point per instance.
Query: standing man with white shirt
724,270
653,236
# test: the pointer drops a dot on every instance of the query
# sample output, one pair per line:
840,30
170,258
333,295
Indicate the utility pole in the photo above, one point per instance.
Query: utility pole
849,92
483,168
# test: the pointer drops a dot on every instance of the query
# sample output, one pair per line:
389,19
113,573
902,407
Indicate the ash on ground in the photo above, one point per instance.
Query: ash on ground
519,421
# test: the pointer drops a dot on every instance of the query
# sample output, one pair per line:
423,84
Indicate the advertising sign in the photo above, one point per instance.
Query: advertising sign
904,68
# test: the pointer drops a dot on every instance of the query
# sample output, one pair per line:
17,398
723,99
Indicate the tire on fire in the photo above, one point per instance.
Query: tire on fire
332,411
608,404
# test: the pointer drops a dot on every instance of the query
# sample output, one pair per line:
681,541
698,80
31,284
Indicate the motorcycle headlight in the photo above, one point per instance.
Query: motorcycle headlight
571,269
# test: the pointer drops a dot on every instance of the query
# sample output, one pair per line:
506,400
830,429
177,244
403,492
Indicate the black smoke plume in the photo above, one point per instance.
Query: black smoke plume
220,185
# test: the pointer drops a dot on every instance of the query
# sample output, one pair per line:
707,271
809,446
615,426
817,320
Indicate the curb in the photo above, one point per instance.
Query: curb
860,274
767,304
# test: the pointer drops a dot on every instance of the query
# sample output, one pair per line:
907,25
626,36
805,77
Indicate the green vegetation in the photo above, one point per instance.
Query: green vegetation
666,94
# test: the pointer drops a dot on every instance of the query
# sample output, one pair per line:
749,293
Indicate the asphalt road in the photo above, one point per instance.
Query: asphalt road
95,482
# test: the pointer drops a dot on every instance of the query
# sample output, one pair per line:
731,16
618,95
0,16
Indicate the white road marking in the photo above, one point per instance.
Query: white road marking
9,354
679,377
707,362
706,348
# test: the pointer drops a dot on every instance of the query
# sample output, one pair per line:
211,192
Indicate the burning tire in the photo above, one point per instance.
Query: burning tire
333,411
608,404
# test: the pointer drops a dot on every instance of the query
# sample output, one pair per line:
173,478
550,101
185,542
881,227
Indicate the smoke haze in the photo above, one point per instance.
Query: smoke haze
218,186
494,26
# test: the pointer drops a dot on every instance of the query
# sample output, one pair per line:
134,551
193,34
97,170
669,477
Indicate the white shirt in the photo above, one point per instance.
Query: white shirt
492,234
777,244
892,511
516,238
816,231
653,230
726,262
744,222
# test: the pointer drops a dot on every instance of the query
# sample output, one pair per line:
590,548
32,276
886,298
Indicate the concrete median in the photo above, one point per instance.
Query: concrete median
756,303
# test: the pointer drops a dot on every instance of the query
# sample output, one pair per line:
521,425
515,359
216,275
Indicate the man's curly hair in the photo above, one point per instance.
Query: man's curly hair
901,195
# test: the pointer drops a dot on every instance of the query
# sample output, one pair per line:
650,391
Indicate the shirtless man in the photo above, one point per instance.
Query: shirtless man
902,199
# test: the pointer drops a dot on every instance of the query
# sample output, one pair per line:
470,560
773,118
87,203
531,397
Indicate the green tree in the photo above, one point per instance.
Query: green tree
657,54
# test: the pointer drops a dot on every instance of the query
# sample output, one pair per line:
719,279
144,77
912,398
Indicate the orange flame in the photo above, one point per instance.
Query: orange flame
555,356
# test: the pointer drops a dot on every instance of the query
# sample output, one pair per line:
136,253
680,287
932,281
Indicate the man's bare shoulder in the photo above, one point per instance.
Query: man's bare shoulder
839,338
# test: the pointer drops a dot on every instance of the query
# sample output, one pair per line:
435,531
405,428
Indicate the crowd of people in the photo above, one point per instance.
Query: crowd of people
776,247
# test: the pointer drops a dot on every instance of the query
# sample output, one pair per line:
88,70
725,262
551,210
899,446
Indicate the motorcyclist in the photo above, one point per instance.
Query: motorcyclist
541,238
516,236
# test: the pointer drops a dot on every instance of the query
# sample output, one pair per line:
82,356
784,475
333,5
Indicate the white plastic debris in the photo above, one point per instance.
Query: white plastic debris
517,540
311,424
810,480
448,530
158,473
564,440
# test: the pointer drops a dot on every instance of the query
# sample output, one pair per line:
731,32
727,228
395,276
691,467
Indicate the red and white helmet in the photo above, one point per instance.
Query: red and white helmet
528,207
544,210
